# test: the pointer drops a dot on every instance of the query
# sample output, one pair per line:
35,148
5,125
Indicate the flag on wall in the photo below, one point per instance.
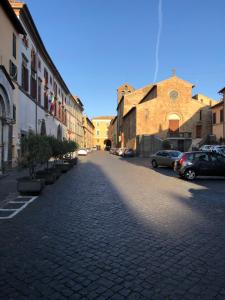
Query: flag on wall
52,102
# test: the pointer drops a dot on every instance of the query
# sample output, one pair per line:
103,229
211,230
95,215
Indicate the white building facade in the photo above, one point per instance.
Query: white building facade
41,94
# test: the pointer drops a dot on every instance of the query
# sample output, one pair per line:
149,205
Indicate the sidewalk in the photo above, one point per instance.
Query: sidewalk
8,182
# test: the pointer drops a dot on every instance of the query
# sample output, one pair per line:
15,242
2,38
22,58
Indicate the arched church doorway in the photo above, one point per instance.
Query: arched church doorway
107,144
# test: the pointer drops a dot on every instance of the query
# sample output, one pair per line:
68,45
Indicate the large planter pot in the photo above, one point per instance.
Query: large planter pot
63,167
72,161
55,171
47,175
28,186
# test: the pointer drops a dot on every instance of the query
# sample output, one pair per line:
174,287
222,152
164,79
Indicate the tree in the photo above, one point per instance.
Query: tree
35,150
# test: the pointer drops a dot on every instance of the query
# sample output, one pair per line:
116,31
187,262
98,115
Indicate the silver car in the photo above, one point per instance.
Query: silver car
165,158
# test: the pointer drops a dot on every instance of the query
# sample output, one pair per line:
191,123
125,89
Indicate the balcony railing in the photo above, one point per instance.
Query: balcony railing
187,135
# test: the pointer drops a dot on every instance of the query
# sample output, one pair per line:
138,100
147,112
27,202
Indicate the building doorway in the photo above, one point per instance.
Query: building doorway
174,123
180,145
198,131
174,126
107,144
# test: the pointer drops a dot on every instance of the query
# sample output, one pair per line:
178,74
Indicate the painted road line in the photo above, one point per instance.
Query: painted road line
18,210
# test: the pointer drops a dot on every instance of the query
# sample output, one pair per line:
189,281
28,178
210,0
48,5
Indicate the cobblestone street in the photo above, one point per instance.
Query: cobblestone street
113,228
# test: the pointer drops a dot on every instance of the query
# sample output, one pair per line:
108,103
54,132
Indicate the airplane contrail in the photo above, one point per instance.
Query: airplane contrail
160,21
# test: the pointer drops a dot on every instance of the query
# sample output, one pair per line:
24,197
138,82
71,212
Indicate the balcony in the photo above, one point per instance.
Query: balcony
179,135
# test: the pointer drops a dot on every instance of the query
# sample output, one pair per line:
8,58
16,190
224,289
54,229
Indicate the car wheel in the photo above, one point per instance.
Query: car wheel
190,174
154,163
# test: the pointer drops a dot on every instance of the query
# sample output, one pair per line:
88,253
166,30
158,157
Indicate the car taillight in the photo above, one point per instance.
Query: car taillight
183,158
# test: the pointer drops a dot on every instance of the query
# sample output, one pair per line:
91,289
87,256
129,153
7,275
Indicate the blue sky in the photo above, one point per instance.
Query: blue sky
98,45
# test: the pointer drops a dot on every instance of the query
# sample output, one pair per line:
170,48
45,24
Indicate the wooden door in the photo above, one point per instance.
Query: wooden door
174,125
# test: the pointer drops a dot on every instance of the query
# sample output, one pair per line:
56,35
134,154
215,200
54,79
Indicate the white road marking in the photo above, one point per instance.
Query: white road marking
17,210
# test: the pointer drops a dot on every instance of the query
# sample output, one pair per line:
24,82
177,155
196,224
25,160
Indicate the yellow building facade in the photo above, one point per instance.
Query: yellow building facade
88,132
101,132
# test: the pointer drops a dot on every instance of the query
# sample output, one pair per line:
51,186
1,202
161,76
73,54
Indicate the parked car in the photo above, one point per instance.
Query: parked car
120,151
164,158
200,163
206,148
107,148
94,148
112,151
219,149
82,152
128,153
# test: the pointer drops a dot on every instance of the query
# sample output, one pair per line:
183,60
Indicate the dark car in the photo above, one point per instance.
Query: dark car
164,158
128,153
200,163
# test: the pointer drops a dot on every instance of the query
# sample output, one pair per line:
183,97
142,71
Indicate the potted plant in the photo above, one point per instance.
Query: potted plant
72,147
47,174
63,165
35,151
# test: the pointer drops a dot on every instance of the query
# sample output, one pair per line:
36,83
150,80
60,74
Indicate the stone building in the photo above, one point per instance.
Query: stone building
164,111
88,132
101,137
218,121
222,92
10,32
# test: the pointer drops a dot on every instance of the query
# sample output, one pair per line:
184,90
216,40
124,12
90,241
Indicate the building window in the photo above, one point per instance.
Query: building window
97,124
55,89
13,70
39,65
33,85
14,112
214,118
46,100
39,90
46,77
221,115
25,74
97,132
14,45
51,80
33,61
200,115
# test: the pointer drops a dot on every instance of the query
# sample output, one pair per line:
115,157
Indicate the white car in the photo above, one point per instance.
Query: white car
206,148
82,152
219,149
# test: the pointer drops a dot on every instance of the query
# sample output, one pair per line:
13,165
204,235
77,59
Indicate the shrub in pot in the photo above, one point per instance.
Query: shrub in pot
72,146
35,151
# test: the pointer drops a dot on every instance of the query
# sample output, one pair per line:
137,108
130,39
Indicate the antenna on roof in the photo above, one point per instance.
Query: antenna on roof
174,72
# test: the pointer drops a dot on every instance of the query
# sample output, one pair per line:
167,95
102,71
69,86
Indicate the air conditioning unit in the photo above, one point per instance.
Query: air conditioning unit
13,70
